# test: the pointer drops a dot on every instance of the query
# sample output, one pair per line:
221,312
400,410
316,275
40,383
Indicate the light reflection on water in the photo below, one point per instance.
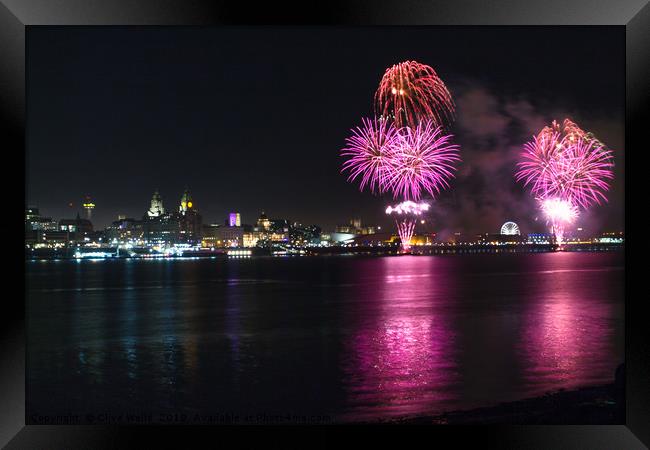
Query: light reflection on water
355,338
402,356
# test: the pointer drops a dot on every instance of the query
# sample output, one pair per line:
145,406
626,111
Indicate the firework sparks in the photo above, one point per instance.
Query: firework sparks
559,213
408,207
410,92
405,230
583,173
405,219
424,162
370,151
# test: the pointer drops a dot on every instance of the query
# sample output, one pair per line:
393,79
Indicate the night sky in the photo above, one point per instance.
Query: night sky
253,119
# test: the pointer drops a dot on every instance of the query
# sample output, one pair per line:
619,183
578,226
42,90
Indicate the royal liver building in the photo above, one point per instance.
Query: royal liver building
156,209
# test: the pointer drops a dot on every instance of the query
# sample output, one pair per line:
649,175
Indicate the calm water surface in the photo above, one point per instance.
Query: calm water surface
354,338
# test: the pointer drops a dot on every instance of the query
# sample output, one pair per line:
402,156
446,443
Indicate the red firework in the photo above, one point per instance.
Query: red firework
410,92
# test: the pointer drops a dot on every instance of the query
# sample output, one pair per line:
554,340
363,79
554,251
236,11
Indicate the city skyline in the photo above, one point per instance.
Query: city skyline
251,128
234,219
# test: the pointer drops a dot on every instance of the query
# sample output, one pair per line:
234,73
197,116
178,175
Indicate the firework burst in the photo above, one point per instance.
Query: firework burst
565,169
410,92
577,171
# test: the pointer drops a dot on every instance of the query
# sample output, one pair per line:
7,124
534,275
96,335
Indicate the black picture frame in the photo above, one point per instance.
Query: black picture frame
16,16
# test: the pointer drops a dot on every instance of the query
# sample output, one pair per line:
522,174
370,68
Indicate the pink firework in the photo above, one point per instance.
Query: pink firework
575,170
410,92
423,162
583,173
408,207
566,169
540,159
370,152
405,230
559,213
405,219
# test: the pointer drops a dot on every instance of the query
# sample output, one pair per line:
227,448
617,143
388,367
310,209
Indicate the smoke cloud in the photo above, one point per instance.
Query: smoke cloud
491,130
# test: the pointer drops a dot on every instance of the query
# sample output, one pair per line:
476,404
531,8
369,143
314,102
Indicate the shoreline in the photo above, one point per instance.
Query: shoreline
589,405
67,254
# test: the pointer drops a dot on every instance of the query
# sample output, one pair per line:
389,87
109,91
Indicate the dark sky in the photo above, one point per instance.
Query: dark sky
253,119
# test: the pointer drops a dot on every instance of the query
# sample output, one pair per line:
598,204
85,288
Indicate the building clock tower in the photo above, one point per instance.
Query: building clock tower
186,202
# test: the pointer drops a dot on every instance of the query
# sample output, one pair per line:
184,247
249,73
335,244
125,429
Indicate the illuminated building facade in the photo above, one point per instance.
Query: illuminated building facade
34,221
161,230
189,220
250,238
156,209
37,228
234,220
125,229
263,223
230,236
501,238
77,225
541,238
184,226
88,206
301,235
209,235
186,204
355,227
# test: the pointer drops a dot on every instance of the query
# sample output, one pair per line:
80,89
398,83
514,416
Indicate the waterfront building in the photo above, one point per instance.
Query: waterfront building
50,239
43,232
34,221
355,227
210,236
251,238
301,235
263,223
186,202
382,239
501,238
161,230
46,233
230,236
279,231
337,238
540,238
611,238
182,227
156,209
234,220
190,220
124,229
76,225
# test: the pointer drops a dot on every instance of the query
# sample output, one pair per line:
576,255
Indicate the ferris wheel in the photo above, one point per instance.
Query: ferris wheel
510,228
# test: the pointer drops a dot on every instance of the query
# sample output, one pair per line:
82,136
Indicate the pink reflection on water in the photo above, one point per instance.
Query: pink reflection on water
401,361
567,338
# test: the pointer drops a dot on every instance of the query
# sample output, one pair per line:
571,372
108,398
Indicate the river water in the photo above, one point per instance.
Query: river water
338,338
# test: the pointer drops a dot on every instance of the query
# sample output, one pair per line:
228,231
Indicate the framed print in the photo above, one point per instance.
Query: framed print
256,220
